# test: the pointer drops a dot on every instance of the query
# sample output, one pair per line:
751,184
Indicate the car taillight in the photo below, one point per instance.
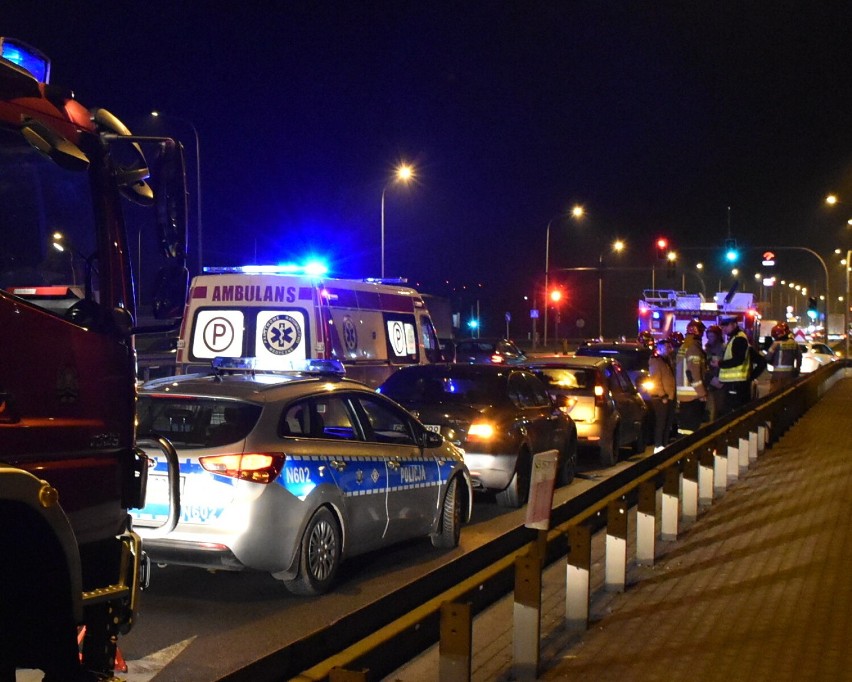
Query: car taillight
599,395
481,431
497,359
257,467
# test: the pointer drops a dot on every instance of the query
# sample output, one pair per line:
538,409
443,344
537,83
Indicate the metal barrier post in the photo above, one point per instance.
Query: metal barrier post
705,477
752,447
456,644
527,618
733,462
671,494
761,438
646,522
577,579
616,546
743,459
720,471
690,488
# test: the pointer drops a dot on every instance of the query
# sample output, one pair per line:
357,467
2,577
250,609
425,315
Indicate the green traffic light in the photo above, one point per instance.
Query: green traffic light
731,256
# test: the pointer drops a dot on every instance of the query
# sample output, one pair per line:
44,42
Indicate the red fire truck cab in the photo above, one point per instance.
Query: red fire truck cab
69,468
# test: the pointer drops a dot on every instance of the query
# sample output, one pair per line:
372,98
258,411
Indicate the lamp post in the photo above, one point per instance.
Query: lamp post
403,173
618,247
832,200
197,180
576,212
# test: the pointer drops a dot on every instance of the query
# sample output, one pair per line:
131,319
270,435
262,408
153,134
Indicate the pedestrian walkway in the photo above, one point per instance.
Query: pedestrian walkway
759,588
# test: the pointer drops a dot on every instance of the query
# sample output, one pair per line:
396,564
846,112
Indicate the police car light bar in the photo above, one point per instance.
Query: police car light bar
313,269
31,60
319,366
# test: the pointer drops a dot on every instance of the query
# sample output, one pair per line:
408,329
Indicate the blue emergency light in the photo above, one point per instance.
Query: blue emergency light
312,269
28,58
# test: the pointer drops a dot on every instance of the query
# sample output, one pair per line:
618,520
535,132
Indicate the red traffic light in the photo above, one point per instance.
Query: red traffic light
662,248
662,243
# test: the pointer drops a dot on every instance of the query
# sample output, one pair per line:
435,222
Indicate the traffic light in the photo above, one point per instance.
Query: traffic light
662,248
555,295
813,311
732,254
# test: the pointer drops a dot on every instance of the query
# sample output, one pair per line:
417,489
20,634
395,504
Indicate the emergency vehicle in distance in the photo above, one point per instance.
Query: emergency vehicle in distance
69,468
284,315
664,311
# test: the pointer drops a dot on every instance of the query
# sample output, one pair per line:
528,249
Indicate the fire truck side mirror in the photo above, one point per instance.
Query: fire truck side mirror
171,200
170,292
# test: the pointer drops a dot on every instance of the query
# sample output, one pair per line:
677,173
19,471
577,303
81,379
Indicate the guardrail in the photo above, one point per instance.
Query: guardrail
437,608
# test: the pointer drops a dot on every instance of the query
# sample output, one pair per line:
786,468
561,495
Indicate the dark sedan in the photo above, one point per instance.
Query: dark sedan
488,351
500,416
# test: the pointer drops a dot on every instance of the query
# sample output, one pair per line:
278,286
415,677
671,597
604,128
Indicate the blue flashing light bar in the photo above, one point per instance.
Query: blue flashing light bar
312,269
28,58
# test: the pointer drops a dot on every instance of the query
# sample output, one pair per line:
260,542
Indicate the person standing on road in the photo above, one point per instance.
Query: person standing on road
715,350
690,368
662,394
735,366
784,355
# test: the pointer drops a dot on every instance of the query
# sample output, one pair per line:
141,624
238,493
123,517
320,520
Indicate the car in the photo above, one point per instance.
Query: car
605,405
815,355
633,358
292,472
499,415
489,351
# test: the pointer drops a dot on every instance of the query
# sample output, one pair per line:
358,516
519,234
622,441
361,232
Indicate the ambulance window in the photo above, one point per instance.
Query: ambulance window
429,339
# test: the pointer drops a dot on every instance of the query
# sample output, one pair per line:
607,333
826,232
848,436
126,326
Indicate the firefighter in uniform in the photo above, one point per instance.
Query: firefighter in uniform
784,355
663,393
715,350
690,368
735,366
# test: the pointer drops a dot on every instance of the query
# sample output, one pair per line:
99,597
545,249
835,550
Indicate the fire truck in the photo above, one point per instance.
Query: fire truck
665,311
71,566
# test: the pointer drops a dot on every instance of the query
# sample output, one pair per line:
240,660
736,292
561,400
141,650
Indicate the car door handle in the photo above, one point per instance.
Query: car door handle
393,464
337,465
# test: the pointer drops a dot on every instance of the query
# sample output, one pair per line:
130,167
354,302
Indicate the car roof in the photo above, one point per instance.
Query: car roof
458,368
253,387
589,361
615,345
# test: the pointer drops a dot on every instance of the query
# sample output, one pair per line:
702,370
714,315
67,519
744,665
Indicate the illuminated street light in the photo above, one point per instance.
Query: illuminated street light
403,173
577,212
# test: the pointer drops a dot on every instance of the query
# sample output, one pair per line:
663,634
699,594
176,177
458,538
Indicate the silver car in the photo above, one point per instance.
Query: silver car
291,474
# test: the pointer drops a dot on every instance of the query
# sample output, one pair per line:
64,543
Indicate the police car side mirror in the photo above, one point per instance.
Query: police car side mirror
430,439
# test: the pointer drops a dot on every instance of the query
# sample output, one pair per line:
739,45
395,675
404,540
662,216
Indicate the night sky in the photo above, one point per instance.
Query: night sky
679,119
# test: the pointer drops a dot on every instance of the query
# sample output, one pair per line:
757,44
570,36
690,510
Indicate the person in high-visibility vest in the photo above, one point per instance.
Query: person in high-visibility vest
784,355
690,368
735,366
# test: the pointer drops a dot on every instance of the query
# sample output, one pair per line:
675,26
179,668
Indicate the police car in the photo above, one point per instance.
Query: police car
291,473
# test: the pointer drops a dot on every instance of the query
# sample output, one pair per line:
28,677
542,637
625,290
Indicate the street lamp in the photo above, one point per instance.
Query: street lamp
403,173
577,212
159,114
831,200
617,247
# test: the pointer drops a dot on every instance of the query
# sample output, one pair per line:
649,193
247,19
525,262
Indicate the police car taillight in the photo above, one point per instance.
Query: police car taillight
257,467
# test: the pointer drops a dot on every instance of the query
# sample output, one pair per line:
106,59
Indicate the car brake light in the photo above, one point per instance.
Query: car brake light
496,358
481,431
599,395
255,467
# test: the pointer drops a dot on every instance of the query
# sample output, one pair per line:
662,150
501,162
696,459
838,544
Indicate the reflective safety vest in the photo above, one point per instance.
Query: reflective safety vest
784,355
690,363
740,372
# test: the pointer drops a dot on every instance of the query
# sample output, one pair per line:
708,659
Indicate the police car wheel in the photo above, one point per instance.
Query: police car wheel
319,556
447,536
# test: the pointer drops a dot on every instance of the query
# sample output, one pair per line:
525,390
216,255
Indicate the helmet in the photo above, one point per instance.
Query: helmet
695,328
780,331
715,329
676,339
646,338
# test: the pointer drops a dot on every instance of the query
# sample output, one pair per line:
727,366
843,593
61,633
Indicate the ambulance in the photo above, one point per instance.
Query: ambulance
283,315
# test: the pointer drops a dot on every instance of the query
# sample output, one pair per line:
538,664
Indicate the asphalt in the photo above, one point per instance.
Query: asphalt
759,587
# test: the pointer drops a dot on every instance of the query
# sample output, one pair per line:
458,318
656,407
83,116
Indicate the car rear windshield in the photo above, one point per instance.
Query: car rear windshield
461,388
631,360
195,422
567,378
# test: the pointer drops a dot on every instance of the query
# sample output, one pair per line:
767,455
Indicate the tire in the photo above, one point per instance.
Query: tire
518,491
319,555
448,534
640,443
568,465
609,449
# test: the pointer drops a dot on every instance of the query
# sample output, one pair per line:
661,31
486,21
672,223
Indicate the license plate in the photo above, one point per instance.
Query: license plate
158,488
433,427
